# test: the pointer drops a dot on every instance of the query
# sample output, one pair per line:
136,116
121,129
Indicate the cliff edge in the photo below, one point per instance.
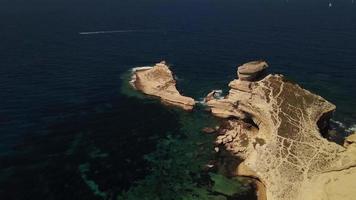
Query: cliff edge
276,128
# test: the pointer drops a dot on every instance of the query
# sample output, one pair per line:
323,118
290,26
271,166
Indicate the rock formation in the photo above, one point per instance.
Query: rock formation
276,128
158,81
251,71
226,107
351,139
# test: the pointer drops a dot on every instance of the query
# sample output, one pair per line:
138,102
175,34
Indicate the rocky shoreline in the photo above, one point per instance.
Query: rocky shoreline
276,128
158,81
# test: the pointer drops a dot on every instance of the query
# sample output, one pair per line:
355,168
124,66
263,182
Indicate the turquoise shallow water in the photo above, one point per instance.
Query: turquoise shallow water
66,130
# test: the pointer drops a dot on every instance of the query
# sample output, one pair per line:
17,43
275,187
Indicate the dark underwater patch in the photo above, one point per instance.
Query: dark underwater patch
90,156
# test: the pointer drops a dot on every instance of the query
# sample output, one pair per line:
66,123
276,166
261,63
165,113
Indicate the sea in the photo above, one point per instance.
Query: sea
72,128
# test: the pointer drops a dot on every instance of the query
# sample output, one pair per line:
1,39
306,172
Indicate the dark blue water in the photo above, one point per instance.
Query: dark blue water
56,83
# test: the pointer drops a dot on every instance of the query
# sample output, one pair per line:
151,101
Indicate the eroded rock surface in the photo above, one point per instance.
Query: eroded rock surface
351,139
158,81
227,107
251,71
276,131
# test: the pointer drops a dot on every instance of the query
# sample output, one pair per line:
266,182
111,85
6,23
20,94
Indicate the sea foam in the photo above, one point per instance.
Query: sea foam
349,129
217,95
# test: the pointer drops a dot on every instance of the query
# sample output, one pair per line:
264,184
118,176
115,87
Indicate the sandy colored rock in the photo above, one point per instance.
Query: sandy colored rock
252,67
282,145
350,140
215,94
335,185
251,70
224,108
158,81
260,191
210,96
244,86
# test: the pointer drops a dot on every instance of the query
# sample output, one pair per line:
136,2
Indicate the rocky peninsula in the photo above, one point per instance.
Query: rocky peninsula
276,128
158,81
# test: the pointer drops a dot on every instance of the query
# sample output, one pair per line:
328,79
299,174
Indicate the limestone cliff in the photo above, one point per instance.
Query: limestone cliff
276,127
158,81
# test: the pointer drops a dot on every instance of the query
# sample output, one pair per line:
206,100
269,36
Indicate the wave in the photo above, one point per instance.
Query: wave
115,31
177,78
351,129
140,68
133,75
218,94
201,101
338,123
348,129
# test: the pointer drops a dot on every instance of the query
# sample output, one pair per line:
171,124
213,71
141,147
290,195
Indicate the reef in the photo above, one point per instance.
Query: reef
158,81
276,128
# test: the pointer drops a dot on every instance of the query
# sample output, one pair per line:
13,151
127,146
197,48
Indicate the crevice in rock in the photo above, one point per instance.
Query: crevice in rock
324,123
262,74
327,131
250,122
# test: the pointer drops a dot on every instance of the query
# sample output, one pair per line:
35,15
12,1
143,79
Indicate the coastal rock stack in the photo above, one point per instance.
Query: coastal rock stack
247,74
251,71
158,81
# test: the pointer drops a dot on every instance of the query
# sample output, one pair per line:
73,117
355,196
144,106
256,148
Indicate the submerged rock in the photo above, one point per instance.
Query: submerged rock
276,131
208,130
158,81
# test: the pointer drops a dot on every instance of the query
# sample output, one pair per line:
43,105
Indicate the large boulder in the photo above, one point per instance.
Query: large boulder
158,81
252,70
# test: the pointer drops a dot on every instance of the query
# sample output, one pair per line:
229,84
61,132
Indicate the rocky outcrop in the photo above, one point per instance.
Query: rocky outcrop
252,70
275,127
227,107
158,81
351,139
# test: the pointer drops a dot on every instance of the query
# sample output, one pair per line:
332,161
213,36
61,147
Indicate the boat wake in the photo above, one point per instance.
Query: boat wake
115,31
